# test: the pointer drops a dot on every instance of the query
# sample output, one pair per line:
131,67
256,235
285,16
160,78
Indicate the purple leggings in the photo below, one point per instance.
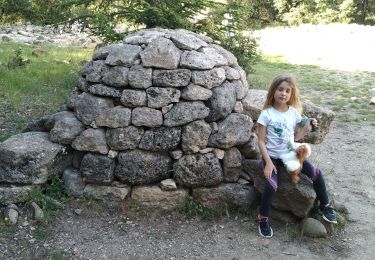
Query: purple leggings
271,185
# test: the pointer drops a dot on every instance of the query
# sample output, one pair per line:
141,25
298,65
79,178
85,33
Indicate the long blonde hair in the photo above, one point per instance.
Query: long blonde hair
294,97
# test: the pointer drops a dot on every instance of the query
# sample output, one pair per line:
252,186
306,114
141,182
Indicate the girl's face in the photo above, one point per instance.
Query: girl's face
282,93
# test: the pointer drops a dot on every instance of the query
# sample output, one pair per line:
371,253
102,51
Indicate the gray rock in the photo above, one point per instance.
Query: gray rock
145,36
30,158
97,168
124,138
298,199
168,185
116,76
123,55
311,227
107,193
232,165
94,70
234,130
250,150
195,92
171,78
231,73
232,195
253,102
161,97
187,41
222,101
155,197
13,216
143,167
91,140
195,136
66,129
114,117
324,117
145,116
103,90
38,213
226,54
161,53
73,182
214,55
133,98
88,107
102,53
82,84
240,90
209,78
198,170
140,77
162,138
196,60
13,194
185,112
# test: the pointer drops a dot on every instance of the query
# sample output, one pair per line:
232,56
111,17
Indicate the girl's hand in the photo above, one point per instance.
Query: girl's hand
313,124
268,170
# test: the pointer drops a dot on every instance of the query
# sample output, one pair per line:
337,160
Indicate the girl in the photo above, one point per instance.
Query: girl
276,129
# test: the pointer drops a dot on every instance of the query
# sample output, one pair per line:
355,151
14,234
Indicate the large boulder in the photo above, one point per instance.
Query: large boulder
298,199
31,158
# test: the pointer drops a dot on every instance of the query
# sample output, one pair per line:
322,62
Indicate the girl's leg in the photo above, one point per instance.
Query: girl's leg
318,181
270,189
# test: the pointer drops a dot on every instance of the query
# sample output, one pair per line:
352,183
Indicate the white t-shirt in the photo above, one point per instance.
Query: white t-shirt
279,129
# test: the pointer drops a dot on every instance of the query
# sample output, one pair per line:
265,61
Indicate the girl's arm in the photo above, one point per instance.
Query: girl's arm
263,150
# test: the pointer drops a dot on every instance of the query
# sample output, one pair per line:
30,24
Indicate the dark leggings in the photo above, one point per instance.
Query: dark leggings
271,185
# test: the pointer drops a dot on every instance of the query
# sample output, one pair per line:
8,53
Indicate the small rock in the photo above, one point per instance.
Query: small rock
78,211
372,101
219,153
38,212
168,185
313,228
12,217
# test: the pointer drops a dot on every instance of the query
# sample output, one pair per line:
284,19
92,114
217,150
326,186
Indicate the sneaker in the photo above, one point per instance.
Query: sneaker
265,229
329,214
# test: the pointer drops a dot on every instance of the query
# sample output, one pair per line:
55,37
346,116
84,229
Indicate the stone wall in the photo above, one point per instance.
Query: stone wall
163,115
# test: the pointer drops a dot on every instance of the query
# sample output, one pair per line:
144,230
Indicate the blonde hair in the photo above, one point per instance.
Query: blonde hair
294,97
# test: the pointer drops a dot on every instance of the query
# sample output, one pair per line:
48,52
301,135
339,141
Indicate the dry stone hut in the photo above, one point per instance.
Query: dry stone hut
154,119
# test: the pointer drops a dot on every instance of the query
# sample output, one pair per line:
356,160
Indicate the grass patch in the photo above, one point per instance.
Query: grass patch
333,89
33,90
49,197
51,254
195,209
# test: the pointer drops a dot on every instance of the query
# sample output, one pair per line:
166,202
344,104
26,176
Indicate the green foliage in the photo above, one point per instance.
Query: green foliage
35,11
17,60
30,92
195,209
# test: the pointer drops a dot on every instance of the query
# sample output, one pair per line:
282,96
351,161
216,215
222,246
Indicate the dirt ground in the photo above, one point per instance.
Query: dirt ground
346,158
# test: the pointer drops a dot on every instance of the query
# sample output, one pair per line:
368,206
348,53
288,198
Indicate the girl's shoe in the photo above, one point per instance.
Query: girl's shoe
329,214
264,227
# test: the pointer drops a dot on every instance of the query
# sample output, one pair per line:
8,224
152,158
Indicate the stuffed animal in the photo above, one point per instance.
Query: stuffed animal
293,160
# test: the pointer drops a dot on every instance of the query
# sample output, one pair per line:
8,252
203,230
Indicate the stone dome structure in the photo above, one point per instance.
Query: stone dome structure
164,115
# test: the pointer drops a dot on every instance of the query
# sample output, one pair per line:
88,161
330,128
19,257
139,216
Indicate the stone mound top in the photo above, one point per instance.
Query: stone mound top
164,115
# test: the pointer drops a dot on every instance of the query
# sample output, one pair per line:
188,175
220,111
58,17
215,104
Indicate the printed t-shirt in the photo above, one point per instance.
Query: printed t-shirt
279,129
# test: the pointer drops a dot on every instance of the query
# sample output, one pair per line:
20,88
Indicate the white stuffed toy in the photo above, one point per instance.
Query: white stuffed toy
293,160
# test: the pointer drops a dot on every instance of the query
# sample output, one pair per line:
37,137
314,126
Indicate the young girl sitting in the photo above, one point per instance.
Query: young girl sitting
276,128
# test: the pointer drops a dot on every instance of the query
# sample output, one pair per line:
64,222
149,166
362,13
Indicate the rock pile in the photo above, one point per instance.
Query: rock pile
163,115
58,35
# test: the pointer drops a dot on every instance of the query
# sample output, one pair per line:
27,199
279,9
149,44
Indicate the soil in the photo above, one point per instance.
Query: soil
95,231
